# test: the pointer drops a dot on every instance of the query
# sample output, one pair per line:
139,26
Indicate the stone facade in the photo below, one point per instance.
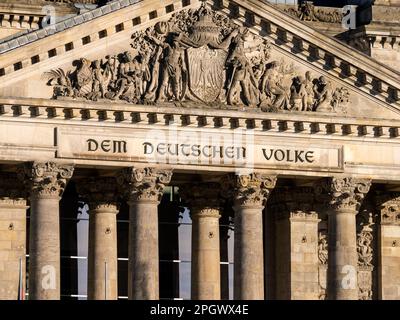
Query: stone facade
239,104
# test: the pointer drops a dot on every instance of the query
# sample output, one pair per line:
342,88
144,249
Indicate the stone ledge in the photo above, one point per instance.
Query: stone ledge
167,114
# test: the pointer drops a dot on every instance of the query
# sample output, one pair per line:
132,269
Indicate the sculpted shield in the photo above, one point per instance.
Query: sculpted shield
206,72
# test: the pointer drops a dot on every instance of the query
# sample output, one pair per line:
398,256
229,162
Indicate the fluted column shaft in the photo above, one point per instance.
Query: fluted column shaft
344,196
203,199
145,188
250,194
101,194
47,182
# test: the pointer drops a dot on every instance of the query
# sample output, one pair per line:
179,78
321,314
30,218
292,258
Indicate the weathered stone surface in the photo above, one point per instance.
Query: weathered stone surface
205,205
46,183
102,195
144,188
343,197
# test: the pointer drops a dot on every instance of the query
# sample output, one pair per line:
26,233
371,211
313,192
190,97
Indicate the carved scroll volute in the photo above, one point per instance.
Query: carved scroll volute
250,189
144,184
45,179
342,193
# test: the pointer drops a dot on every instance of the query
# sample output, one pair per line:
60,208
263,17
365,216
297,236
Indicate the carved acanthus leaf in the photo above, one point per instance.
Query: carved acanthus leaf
342,192
45,179
249,189
144,184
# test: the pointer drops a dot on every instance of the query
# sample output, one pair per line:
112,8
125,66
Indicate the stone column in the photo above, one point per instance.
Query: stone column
344,196
250,195
46,182
388,205
203,199
101,194
144,187
12,238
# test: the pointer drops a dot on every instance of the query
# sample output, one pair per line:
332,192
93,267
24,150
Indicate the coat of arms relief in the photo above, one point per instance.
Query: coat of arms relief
199,57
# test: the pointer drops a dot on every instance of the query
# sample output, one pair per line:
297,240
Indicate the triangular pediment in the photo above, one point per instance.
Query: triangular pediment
218,54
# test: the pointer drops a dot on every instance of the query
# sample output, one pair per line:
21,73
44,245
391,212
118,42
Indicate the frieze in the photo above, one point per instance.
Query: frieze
306,11
199,57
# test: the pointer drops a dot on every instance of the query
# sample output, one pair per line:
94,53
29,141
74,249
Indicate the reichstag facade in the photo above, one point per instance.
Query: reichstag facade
185,149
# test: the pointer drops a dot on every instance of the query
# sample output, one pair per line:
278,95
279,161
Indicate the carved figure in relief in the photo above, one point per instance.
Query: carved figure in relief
364,244
199,57
322,249
298,94
277,96
323,93
101,80
173,70
309,88
84,77
128,79
242,77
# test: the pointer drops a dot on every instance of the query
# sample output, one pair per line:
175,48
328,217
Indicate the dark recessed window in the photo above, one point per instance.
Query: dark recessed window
86,40
102,34
2,72
136,21
153,14
35,59
69,46
52,53
17,66
119,27
185,3
169,8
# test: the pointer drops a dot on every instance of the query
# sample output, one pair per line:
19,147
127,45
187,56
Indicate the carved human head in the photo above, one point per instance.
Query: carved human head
322,80
128,56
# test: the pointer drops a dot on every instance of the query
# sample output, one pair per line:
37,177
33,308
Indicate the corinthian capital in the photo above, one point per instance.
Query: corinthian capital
101,193
343,192
144,184
204,198
45,179
249,190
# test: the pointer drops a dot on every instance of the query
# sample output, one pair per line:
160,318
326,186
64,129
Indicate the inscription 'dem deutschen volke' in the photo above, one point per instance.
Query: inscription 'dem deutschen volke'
290,155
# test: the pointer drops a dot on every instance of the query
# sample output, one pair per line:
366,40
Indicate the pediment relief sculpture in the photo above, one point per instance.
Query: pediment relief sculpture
199,57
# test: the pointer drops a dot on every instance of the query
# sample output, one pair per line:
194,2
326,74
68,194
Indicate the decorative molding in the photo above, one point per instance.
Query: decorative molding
248,190
101,193
365,251
306,11
200,57
144,184
121,115
388,205
342,193
45,179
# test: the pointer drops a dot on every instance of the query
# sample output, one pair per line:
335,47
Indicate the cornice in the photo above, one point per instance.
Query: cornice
168,114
